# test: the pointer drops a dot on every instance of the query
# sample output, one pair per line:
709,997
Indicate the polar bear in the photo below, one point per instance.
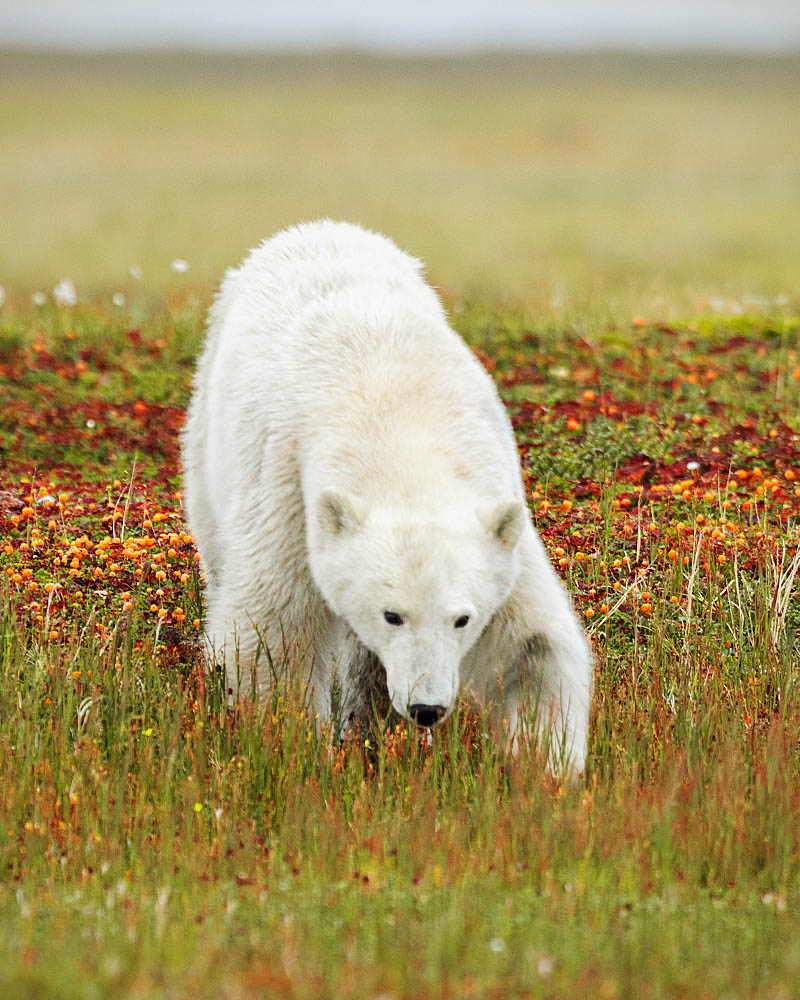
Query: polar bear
354,489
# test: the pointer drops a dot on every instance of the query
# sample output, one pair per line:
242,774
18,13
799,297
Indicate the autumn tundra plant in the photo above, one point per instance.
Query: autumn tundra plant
156,839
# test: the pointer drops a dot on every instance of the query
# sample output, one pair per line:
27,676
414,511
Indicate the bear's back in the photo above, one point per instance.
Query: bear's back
315,306
297,272
328,340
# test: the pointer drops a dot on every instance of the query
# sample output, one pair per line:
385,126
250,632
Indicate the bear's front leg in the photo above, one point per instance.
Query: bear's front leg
258,635
545,660
551,680
348,679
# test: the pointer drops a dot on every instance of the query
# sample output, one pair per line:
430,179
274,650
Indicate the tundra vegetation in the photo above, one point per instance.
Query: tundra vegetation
157,841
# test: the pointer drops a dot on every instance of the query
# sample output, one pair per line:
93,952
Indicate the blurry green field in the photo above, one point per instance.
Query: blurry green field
601,184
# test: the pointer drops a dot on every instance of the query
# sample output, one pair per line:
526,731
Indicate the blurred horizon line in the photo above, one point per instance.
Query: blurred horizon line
787,50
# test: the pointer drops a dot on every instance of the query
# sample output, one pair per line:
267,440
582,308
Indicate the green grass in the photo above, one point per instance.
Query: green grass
600,185
155,841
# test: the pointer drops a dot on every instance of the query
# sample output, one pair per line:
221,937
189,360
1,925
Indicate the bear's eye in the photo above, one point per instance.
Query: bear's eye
461,622
392,618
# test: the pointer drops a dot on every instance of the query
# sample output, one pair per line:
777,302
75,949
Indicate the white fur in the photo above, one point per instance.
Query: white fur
346,455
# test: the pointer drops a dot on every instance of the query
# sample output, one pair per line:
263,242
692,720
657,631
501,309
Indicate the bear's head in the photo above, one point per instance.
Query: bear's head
417,590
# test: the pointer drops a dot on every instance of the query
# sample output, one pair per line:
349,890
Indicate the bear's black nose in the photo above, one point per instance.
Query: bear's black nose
426,715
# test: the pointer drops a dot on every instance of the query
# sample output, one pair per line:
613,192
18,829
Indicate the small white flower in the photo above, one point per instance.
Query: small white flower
118,299
691,466
64,293
497,945
179,265
90,424
135,272
38,298
545,966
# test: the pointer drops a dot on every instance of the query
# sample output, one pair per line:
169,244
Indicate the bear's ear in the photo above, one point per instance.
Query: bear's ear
337,513
504,521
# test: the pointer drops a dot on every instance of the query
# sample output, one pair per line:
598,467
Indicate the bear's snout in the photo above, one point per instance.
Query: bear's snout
426,715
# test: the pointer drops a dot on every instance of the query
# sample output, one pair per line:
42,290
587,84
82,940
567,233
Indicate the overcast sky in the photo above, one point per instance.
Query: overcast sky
406,25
